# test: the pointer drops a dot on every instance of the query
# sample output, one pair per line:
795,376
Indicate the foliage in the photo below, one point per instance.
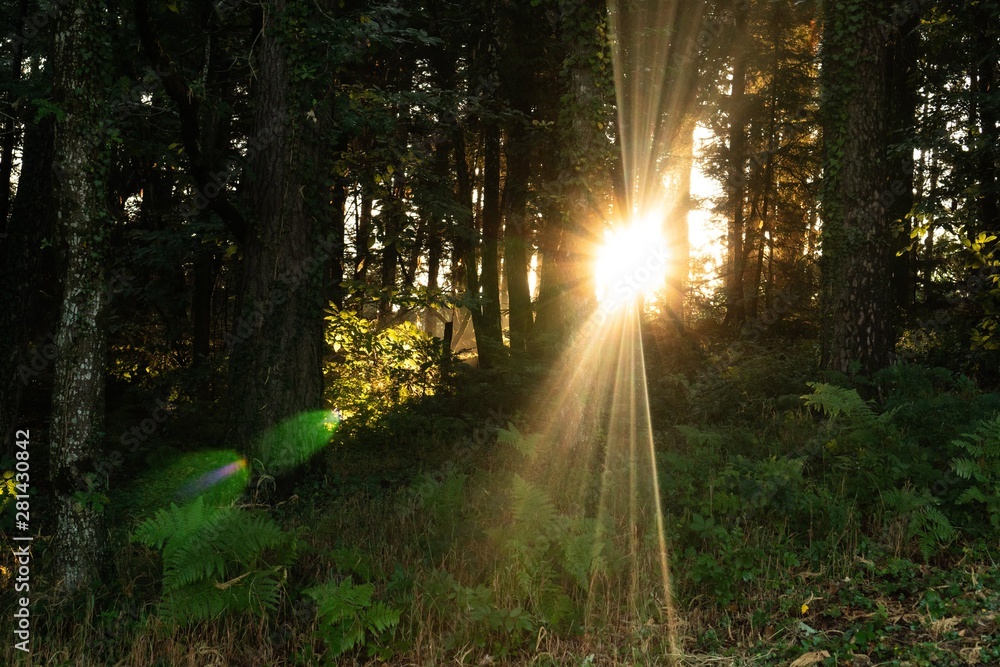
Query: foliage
217,560
981,466
348,616
924,521
836,401
373,370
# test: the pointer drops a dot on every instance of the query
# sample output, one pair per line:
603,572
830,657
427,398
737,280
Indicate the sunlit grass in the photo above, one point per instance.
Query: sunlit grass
594,419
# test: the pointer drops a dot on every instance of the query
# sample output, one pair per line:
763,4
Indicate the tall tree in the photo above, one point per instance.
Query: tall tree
78,395
577,171
857,236
275,360
736,181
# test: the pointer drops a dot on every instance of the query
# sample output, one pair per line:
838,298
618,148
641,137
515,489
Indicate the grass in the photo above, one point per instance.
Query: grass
780,550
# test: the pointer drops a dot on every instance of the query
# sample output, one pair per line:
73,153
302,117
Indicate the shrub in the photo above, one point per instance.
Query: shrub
374,371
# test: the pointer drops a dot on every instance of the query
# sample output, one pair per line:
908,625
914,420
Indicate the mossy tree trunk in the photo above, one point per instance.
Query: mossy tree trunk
857,236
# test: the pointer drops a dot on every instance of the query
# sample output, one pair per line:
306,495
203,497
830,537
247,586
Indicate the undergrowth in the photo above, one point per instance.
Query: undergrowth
808,516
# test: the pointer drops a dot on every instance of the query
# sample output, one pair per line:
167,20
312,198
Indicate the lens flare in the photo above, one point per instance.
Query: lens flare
234,470
293,442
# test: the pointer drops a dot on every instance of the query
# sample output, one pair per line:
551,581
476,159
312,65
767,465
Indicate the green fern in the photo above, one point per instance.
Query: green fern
527,445
981,466
586,551
215,560
924,521
348,617
535,515
441,497
834,401
551,557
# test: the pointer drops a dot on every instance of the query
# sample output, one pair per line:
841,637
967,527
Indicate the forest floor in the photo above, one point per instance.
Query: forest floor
809,520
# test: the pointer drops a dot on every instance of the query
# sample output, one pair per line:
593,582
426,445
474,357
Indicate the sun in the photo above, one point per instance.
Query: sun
632,262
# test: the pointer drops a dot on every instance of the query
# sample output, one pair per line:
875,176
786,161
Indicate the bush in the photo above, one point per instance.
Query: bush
373,371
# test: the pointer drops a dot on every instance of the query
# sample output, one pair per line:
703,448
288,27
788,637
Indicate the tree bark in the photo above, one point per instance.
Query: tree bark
901,64
78,394
515,236
362,236
338,202
277,340
985,83
857,236
394,220
490,276
435,236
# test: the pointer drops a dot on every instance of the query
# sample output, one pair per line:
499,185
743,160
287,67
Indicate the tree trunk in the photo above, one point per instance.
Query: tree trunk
856,233
584,167
434,244
394,220
515,237
277,341
736,186
932,195
984,80
676,231
465,246
206,269
490,276
764,235
901,65
435,237
362,238
549,308
78,394
338,202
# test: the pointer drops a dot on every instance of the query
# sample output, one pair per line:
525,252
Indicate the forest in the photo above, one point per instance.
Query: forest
500,332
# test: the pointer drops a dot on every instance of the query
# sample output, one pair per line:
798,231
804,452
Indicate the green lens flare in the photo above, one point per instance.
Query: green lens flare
293,442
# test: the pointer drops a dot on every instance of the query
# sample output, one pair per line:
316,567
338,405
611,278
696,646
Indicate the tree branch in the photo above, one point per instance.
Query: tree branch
187,109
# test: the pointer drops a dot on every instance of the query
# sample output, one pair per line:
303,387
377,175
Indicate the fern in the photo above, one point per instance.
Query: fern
535,515
214,560
924,521
981,466
348,617
550,557
527,445
835,401
441,497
